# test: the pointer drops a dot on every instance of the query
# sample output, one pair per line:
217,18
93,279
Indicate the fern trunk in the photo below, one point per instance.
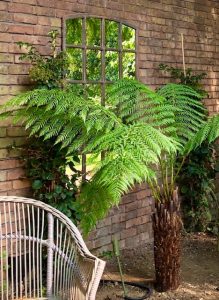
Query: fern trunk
167,248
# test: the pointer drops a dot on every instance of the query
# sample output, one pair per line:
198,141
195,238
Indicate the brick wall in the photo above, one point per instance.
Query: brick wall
130,223
159,23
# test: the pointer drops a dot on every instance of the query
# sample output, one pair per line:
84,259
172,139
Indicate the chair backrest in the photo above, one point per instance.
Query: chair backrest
43,255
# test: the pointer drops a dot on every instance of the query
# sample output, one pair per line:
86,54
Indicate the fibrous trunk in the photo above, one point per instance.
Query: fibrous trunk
167,230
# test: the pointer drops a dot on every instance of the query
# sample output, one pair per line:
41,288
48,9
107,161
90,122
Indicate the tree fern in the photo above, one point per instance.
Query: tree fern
140,131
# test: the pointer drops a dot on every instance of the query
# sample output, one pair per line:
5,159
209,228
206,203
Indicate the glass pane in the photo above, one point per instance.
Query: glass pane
94,91
74,31
128,64
93,32
75,60
112,34
112,65
128,37
93,65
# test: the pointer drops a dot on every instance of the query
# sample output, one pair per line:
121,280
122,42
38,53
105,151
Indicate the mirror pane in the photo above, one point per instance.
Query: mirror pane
75,60
112,65
93,31
128,64
112,34
128,37
93,65
74,31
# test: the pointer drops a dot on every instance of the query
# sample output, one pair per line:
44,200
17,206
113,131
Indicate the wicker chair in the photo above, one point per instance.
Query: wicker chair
43,255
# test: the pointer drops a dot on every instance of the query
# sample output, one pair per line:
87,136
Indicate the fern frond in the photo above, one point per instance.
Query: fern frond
209,132
190,112
134,102
40,109
113,179
131,137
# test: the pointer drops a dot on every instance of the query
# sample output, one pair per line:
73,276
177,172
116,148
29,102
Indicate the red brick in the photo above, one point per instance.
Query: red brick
23,80
21,184
6,142
102,241
44,11
20,193
144,236
143,219
104,231
15,152
131,206
131,223
18,69
5,16
24,38
21,29
5,186
120,217
16,174
10,164
46,3
105,222
43,21
3,175
3,6
41,30
21,8
3,153
16,131
131,214
132,242
8,79
5,37
128,233
117,227
143,211
3,194
25,18
55,22
3,69
3,132
4,47
143,194
33,2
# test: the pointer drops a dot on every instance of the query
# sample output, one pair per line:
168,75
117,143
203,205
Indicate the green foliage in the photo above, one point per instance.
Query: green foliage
46,71
46,166
189,114
197,188
74,121
189,78
46,163
140,131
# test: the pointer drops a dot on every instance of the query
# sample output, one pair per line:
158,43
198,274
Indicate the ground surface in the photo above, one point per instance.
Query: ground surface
200,271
